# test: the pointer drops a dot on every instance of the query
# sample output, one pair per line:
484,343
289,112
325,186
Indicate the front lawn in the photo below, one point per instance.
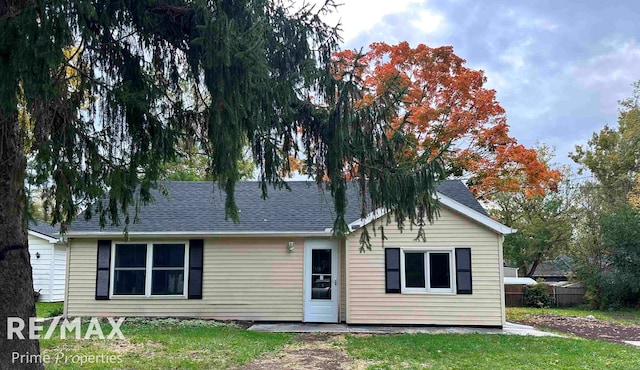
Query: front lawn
202,344
164,344
626,316
48,309
483,351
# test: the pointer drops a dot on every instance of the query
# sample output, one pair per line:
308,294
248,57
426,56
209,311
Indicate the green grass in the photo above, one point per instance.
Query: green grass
202,344
627,316
164,344
482,351
48,309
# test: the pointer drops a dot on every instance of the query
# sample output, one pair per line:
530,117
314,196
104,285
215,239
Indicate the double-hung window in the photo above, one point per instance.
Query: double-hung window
150,269
427,271
167,272
130,269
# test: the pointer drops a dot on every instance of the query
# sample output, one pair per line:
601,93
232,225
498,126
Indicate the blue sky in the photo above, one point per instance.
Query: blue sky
559,67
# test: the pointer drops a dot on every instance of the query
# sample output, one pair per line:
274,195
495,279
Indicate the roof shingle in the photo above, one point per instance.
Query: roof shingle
199,207
44,228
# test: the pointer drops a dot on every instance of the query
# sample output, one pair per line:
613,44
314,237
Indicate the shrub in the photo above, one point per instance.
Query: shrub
536,296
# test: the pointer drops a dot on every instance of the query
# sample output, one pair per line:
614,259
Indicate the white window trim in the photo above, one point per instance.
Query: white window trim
149,271
427,278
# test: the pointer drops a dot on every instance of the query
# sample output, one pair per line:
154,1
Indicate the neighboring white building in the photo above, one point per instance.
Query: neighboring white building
48,262
511,272
519,281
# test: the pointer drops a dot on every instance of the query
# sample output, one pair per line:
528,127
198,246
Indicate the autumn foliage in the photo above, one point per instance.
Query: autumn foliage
442,108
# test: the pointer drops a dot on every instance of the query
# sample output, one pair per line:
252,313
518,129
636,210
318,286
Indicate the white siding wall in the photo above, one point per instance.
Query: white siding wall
244,279
59,272
367,302
48,270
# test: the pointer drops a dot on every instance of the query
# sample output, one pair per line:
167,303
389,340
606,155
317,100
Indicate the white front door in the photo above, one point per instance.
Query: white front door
321,281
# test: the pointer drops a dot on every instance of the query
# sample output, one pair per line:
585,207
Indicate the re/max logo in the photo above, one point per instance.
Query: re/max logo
16,326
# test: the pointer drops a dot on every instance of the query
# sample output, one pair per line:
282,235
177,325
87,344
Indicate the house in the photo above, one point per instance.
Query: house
281,263
48,261
553,270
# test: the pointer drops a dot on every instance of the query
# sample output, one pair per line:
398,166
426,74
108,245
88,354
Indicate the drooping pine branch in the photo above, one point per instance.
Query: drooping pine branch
147,75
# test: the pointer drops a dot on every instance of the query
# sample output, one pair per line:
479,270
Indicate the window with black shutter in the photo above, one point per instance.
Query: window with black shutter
103,269
463,271
196,247
428,271
146,269
392,270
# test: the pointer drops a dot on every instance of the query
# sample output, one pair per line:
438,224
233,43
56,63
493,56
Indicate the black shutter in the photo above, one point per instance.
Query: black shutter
196,251
103,269
392,270
463,271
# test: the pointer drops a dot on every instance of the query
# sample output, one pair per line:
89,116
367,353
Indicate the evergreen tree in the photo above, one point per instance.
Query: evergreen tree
105,120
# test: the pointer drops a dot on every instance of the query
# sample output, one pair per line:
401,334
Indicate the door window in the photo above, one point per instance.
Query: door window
321,277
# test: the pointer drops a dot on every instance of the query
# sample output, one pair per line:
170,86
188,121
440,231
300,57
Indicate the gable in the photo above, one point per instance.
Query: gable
39,236
481,218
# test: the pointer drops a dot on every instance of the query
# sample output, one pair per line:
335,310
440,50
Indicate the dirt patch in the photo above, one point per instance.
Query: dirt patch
309,351
586,327
124,346
317,337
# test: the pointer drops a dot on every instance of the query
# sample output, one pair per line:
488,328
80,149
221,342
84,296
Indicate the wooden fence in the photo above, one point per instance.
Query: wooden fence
561,296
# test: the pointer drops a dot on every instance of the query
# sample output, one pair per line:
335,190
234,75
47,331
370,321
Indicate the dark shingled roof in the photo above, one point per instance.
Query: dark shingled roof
199,207
44,228
458,191
559,267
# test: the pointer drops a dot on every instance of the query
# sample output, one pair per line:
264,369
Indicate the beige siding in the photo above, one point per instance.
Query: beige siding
502,297
367,302
343,283
244,279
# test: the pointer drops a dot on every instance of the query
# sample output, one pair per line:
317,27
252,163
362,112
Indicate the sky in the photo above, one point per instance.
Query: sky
559,67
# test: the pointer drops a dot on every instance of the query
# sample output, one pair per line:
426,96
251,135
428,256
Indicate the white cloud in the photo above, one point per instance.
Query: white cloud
495,80
516,55
536,23
428,21
610,73
357,16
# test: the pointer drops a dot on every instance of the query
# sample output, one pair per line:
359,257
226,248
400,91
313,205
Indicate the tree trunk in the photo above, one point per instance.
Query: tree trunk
16,284
534,266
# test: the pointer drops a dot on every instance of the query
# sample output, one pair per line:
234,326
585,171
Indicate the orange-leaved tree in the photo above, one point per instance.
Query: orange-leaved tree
443,109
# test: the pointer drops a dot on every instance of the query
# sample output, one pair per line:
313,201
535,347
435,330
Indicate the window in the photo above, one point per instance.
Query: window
414,270
129,273
427,271
439,271
167,274
149,269
321,274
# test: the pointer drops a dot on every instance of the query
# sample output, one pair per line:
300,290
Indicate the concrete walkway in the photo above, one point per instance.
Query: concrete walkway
509,328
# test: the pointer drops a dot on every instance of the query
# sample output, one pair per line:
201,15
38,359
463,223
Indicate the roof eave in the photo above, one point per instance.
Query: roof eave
450,203
196,234
46,237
